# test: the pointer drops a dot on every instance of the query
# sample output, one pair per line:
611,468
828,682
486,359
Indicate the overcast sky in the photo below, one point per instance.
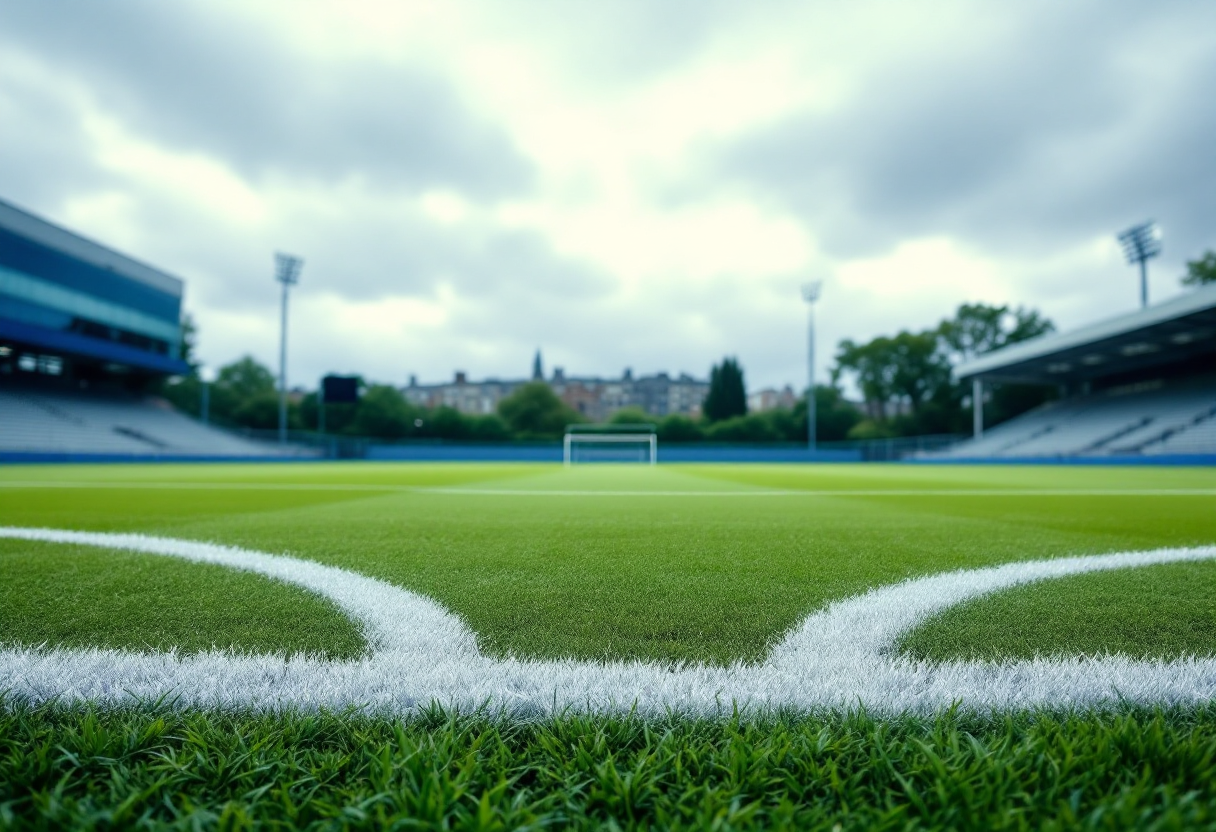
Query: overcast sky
641,184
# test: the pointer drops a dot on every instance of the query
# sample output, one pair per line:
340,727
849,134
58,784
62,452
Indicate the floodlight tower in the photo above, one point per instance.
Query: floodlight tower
810,294
287,272
1141,242
206,377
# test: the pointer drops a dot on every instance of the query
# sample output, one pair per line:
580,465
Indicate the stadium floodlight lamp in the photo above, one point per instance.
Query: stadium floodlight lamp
1141,243
286,272
287,268
810,294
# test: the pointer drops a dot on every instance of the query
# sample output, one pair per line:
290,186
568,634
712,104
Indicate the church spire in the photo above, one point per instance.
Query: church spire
538,370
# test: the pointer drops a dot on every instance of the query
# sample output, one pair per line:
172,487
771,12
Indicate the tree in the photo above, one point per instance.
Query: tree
261,412
727,395
677,428
237,387
245,378
1202,271
870,429
907,379
631,416
232,395
446,423
905,370
871,371
488,428
534,411
835,416
921,371
240,395
383,412
754,428
977,328
185,392
189,337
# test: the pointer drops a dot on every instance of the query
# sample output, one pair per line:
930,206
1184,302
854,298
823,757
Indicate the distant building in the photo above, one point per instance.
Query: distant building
478,397
771,398
594,398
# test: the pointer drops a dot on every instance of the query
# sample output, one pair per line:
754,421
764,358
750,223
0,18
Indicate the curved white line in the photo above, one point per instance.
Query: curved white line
841,656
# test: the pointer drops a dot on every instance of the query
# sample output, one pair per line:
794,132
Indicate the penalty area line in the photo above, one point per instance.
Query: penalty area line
839,657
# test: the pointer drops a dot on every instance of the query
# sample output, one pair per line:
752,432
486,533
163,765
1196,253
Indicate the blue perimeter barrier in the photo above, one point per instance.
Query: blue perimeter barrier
553,454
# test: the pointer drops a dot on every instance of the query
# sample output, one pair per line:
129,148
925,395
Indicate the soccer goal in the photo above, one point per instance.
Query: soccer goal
610,443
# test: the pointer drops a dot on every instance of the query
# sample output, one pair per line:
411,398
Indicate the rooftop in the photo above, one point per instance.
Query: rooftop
1179,329
27,225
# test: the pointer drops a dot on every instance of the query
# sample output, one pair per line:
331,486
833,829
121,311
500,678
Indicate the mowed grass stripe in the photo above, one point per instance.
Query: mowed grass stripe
80,596
666,580
673,579
1164,611
525,492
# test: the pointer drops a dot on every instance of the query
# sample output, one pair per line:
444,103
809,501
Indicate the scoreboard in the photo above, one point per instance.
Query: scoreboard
340,389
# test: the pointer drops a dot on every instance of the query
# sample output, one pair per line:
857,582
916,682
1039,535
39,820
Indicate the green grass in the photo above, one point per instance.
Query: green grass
156,768
1145,613
711,578
80,596
671,578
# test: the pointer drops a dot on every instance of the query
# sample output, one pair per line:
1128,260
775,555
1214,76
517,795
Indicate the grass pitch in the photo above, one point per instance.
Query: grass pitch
697,563
676,564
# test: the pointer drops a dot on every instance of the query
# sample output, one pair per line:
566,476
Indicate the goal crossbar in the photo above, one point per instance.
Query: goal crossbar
634,438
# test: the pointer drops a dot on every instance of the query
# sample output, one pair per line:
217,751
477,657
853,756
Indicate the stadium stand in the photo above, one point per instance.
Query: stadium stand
1140,385
86,334
111,423
1169,419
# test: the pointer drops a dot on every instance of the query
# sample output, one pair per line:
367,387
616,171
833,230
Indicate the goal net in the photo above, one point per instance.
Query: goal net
610,443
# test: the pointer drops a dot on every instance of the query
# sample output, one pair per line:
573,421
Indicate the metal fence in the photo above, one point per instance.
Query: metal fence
339,446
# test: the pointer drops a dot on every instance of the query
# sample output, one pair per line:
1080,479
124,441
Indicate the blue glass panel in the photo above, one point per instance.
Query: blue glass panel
33,313
73,343
26,256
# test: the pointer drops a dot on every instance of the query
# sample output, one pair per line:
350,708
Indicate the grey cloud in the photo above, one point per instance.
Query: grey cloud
45,154
1053,132
370,251
184,76
376,247
624,42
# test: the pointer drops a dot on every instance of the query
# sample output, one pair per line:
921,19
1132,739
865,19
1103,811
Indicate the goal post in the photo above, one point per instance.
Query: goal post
610,443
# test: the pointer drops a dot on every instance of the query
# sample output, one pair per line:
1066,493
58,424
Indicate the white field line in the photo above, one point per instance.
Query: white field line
842,492
840,657
511,492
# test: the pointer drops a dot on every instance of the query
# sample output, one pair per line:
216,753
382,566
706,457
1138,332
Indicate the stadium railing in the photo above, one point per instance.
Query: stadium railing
341,446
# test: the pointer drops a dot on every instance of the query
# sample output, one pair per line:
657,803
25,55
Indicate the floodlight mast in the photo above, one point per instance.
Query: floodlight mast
810,294
1140,243
287,272
206,376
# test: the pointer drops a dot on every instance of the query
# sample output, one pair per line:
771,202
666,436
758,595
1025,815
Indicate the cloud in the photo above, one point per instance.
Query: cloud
618,183
1046,126
199,80
45,152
